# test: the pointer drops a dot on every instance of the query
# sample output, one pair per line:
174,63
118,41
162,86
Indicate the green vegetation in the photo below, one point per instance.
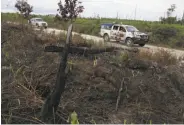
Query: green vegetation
171,35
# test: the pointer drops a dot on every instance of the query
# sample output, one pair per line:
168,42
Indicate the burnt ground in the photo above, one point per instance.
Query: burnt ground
150,93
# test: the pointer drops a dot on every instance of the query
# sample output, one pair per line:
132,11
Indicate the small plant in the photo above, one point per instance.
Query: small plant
73,119
121,58
124,57
95,62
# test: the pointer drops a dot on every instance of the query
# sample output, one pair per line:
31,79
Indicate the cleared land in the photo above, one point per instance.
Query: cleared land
152,84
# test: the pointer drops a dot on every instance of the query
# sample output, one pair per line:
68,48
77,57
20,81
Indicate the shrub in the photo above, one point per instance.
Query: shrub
164,33
180,41
161,56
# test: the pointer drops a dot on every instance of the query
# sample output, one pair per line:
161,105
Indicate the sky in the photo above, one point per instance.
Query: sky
125,9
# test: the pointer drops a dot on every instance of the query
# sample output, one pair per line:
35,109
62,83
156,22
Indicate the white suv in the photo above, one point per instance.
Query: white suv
38,22
123,33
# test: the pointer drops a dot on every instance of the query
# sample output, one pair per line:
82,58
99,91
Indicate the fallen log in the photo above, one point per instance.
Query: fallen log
79,50
84,50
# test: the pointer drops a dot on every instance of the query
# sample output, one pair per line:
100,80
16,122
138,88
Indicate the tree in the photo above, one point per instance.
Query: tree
170,19
69,10
182,20
171,10
24,8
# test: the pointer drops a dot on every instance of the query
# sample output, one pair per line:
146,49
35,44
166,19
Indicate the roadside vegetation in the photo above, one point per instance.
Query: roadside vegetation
169,35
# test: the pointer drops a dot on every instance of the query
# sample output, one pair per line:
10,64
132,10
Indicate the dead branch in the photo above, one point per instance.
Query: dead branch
119,94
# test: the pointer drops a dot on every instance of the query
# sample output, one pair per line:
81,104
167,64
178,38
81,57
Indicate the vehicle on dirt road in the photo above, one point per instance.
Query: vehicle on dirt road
38,22
123,33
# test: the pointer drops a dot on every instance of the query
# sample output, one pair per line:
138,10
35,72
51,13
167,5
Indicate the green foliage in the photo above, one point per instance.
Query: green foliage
124,56
171,35
166,34
24,8
121,58
73,119
169,20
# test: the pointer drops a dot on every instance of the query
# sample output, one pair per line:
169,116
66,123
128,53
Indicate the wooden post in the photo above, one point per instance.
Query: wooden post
51,103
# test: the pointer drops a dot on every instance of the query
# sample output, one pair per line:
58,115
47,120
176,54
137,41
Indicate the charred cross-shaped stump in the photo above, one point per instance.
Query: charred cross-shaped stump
52,101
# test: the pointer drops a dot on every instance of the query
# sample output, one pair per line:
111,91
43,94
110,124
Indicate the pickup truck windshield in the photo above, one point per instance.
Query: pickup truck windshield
131,29
106,26
39,20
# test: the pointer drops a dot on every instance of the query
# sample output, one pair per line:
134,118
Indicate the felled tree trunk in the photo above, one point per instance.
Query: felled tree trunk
53,100
86,51
79,50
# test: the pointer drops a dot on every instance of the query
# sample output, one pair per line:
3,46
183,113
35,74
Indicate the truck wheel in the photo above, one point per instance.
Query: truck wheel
37,25
129,42
141,45
106,37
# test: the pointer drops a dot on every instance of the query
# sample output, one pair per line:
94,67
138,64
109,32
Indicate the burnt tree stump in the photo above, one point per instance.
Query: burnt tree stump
52,101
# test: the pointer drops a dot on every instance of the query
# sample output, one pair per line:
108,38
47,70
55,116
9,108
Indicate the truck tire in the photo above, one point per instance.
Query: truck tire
129,42
37,25
141,45
106,38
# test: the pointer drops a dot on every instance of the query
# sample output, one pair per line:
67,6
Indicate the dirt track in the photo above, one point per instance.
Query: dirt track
178,53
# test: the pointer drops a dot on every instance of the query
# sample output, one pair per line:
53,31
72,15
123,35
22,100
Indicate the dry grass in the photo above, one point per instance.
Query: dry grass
22,90
161,56
32,72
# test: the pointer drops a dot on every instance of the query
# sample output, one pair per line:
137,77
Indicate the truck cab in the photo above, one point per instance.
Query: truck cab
38,22
123,33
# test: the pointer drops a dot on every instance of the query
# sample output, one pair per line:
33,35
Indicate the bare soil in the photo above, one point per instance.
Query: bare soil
150,93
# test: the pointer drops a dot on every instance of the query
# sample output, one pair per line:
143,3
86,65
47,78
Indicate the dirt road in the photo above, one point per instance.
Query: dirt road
178,53
175,52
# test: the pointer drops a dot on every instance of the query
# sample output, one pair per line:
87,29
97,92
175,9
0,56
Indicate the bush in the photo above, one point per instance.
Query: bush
170,35
180,43
164,33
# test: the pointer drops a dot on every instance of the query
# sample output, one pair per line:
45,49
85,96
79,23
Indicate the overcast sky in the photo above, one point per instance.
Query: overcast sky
145,9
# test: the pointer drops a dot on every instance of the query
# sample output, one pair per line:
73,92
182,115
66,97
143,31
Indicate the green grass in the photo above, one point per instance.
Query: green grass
92,26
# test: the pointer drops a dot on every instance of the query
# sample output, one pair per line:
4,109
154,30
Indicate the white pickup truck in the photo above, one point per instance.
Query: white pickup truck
38,22
123,33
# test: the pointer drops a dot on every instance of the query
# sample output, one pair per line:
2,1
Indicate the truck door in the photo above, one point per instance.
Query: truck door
122,33
114,32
